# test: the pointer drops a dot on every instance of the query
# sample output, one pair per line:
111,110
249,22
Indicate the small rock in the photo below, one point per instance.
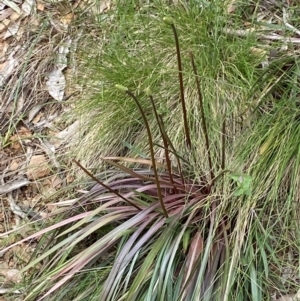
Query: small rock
14,165
38,167
14,275
70,179
40,6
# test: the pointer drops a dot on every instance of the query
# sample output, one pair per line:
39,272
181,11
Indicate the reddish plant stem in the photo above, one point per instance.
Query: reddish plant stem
223,143
165,141
186,126
203,117
106,186
151,146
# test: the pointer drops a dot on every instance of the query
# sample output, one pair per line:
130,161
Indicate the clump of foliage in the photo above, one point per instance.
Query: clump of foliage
164,234
210,211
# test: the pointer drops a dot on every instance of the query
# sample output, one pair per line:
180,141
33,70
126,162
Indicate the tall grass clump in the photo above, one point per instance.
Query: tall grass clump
136,48
270,149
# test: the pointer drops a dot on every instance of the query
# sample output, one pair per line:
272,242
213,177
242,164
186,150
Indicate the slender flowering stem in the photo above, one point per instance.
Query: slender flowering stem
203,117
185,121
166,146
170,22
223,143
105,186
151,145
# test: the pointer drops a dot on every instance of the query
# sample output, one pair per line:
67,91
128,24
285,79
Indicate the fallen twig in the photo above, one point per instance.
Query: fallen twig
14,207
288,25
13,186
272,37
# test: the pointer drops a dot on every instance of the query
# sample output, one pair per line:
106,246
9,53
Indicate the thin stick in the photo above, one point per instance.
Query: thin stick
272,37
285,21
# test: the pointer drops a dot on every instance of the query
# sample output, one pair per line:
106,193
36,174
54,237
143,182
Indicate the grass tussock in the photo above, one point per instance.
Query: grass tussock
140,53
